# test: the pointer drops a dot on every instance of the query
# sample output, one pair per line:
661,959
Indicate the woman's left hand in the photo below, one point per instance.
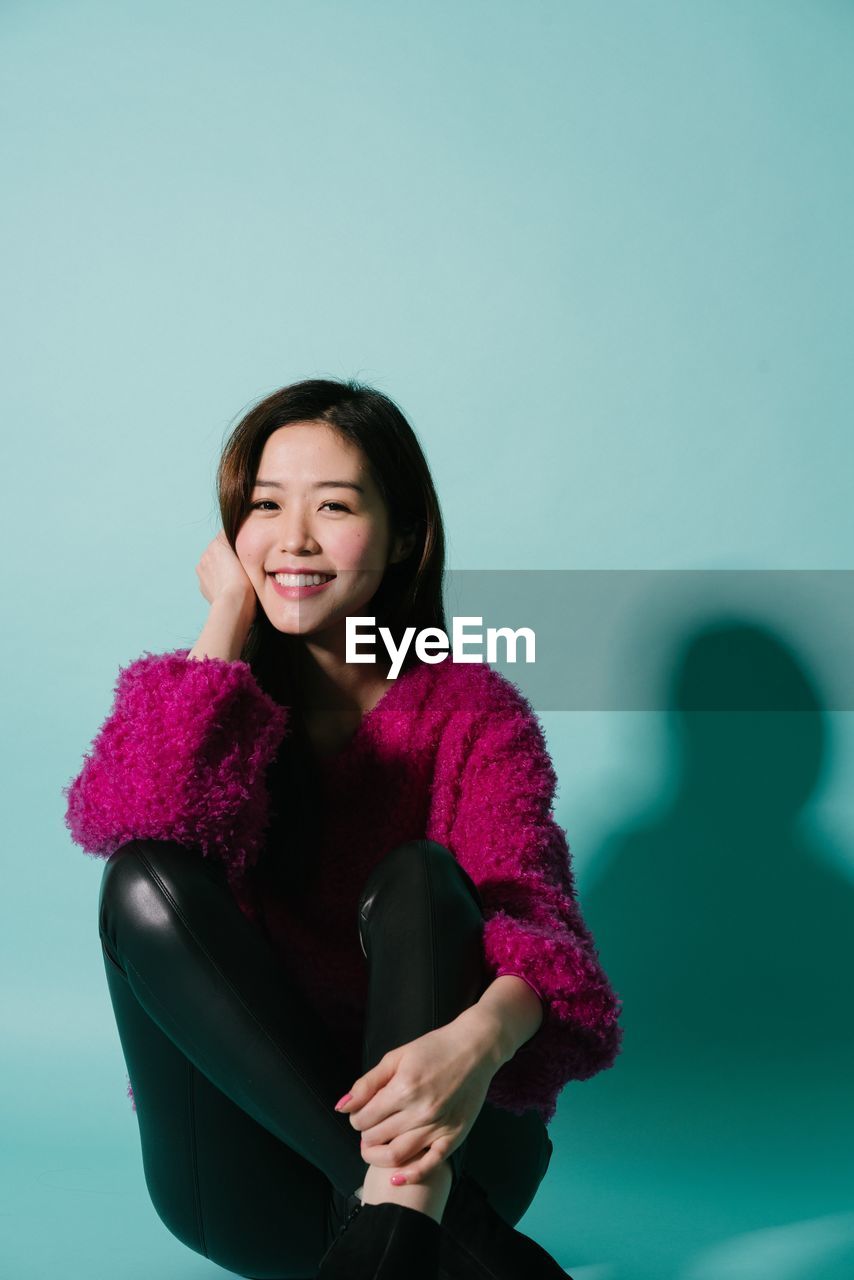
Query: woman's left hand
419,1102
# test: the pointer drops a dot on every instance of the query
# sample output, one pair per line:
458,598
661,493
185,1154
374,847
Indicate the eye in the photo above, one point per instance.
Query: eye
268,502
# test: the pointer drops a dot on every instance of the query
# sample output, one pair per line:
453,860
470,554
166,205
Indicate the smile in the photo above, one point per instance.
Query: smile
295,586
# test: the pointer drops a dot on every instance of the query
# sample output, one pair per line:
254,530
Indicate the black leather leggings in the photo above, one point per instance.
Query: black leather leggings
234,1077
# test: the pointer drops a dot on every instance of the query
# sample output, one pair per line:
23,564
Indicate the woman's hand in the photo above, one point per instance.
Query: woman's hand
419,1102
221,574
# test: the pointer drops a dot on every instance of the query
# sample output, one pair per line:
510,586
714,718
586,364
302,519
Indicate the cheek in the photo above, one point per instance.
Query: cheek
247,547
360,549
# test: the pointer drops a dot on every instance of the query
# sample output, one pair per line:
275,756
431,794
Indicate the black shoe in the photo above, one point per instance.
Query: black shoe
383,1242
477,1244
337,1261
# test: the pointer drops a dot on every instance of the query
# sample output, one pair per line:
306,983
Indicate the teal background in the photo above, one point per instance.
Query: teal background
601,256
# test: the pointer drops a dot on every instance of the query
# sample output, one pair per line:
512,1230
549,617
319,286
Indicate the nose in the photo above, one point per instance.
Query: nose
296,535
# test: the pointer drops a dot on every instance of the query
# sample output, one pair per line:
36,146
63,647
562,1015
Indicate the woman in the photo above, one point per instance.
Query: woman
325,882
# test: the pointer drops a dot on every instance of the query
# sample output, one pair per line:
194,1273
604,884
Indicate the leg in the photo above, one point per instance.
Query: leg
233,1077
224,1059
222,1184
508,1155
421,927
420,924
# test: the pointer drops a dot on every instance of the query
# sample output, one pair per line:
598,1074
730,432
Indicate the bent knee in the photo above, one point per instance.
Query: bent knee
402,863
138,883
405,866
421,848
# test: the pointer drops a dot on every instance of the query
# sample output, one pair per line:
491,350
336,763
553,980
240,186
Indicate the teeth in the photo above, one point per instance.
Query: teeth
301,579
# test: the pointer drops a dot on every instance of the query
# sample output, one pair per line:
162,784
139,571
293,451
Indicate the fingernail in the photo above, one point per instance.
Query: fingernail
342,1101
397,1179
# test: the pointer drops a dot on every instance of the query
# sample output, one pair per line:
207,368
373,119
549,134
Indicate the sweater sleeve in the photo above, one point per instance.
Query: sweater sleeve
181,756
505,836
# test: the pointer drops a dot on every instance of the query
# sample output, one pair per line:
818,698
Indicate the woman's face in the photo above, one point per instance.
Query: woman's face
300,521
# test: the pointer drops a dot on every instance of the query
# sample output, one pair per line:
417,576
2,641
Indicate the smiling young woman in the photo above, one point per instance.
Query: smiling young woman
325,882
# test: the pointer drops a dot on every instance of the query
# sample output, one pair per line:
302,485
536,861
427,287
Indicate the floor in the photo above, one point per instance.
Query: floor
712,1171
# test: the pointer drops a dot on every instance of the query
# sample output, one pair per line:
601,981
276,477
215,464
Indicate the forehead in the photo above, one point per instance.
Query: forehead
303,441
312,452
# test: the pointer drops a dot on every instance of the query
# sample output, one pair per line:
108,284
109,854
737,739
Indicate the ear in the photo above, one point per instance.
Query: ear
402,547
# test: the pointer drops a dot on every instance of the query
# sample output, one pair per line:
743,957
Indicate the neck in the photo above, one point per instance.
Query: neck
326,682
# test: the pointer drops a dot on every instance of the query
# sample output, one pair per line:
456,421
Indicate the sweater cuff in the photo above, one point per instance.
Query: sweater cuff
512,973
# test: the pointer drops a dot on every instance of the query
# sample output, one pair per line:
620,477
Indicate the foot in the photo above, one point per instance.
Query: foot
383,1242
429,1196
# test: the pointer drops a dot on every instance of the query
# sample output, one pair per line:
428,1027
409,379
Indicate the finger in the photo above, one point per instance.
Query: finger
416,1170
363,1090
381,1109
403,1149
398,1124
383,1157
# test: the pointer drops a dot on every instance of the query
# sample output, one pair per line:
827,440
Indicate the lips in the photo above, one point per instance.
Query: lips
299,593
306,572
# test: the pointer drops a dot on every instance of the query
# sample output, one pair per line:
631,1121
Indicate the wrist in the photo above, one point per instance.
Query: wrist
226,629
486,1031
236,604
507,1016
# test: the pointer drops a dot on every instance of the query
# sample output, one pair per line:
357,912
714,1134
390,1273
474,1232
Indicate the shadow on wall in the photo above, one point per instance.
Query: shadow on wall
729,936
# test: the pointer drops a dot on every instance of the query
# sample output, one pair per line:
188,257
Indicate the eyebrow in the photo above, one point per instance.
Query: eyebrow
319,484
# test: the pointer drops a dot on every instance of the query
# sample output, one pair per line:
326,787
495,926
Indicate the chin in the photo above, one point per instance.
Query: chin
286,626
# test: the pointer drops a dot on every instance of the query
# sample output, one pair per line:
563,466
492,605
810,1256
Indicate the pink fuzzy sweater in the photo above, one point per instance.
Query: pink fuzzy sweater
452,752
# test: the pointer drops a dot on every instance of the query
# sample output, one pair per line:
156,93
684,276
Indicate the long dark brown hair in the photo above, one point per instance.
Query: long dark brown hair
411,591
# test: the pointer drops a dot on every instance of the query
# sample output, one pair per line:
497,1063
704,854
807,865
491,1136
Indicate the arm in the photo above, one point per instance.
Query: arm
182,756
503,832
507,1015
225,630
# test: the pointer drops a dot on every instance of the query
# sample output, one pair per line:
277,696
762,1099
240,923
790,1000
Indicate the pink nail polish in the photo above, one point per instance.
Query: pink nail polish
398,1179
342,1101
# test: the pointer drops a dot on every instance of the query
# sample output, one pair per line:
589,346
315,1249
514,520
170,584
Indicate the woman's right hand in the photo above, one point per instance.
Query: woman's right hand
220,574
